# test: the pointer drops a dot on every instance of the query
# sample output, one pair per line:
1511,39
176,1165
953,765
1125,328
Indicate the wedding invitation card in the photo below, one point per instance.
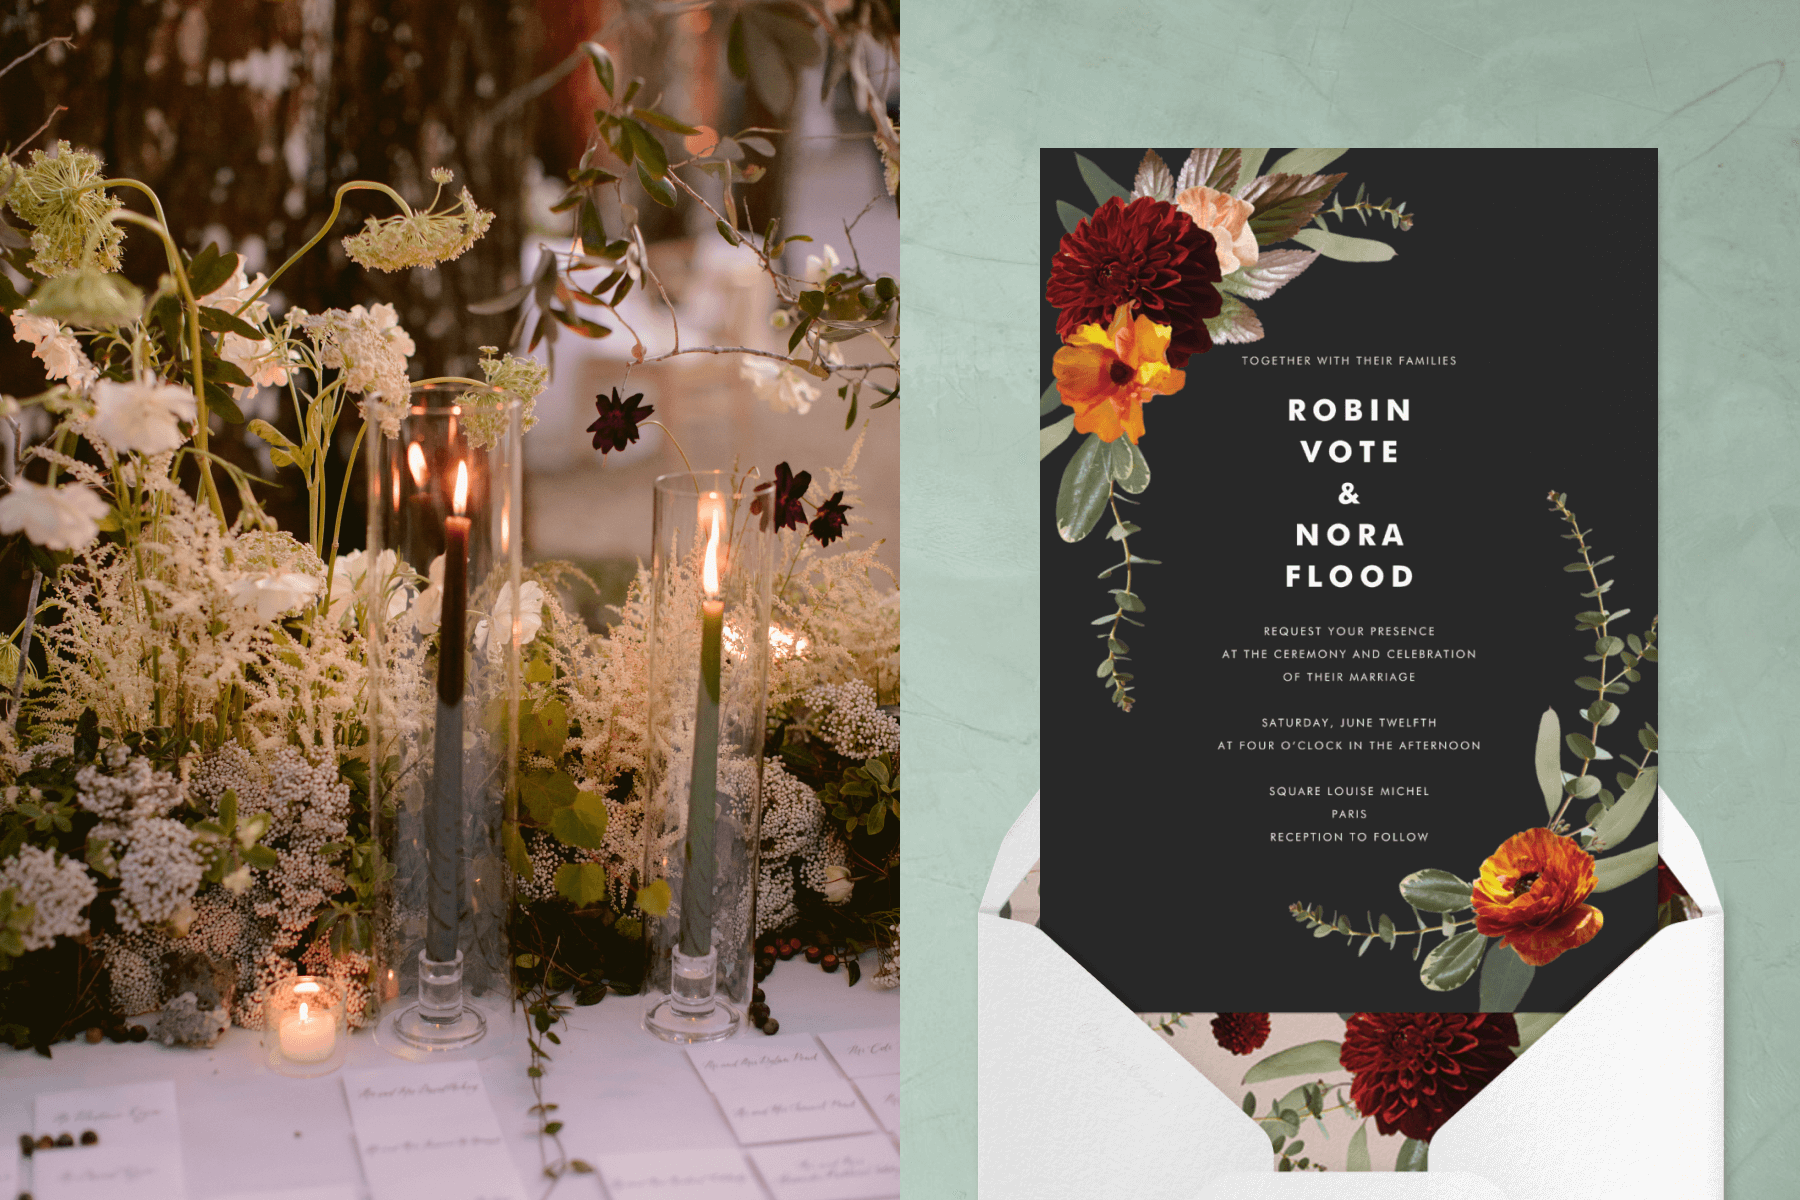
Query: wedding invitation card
1349,574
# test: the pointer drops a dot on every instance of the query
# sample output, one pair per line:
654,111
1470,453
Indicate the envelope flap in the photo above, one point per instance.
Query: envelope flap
1018,850
1680,848
1299,1185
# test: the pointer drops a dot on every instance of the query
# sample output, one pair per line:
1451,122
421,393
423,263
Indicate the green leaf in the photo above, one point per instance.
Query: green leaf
1437,891
647,150
220,321
1050,401
517,856
1620,869
1580,746
658,188
543,792
1504,978
1099,182
545,729
1357,1158
1345,249
582,823
1584,787
1130,467
1452,963
663,121
1128,601
1250,166
582,884
1052,436
1549,760
1622,818
1308,1058
1082,497
1413,1155
1533,1026
1249,1104
654,898
1386,929
1070,215
1304,161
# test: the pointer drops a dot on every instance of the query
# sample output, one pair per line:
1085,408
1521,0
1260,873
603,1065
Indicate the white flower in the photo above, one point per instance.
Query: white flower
428,609
819,269
57,890
140,416
783,386
273,592
55,518
371,348
838,885
57,349
266,365
349,576
531,618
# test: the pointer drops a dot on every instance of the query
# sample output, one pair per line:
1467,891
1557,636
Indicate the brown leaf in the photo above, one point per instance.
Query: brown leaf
1285,203
1236,324
1153,179
1273,270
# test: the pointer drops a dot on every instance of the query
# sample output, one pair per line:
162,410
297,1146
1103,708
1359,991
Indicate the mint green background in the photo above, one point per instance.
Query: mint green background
987,83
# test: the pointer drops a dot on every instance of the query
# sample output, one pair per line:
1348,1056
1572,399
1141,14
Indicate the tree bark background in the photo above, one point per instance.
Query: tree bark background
246,115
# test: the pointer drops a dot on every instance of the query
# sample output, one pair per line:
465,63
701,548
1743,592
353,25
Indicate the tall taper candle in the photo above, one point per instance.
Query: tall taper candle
701,867
443,829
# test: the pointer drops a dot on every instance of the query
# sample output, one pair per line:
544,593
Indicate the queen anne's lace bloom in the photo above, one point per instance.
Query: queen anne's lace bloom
158,874
62,518
142,416
56,348
422,238
522,379
73,220
57,888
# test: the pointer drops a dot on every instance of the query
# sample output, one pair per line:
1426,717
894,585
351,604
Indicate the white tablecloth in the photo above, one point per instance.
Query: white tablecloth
245,1129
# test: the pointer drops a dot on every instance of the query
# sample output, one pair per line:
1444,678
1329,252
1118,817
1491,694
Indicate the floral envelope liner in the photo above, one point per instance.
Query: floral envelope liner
1354,1091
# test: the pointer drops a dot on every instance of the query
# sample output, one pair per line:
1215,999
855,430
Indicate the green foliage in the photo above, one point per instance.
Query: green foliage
1437,891
581,884
581,823
864,795
1504,979
1309,1058
1452,963
1413,1155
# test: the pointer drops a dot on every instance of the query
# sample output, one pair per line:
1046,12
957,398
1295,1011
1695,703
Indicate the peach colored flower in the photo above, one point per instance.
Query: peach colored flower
1228,220
1107,375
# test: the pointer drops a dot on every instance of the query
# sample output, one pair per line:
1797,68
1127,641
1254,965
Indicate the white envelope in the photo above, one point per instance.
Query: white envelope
1623,1098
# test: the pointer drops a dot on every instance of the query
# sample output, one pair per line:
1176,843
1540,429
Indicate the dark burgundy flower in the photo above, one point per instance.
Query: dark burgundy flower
1147,254
1414,1071
784,498
1241,1033
828,519
1667,886
617,426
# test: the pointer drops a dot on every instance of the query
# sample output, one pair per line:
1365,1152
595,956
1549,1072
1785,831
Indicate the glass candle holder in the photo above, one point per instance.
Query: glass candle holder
304,1026
444,496
711,568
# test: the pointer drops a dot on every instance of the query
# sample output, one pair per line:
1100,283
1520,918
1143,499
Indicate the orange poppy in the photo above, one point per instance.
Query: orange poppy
1530,895
1107,374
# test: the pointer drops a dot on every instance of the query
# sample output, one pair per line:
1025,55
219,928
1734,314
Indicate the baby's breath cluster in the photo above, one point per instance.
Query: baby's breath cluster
422,238
847,719
57,888
73,222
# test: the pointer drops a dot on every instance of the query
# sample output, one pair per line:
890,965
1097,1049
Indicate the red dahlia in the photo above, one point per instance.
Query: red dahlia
1667,886
1241,1033
1414,1071
1147,254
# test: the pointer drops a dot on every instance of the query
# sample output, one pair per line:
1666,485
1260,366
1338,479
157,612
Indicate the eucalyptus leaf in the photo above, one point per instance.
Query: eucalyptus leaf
1050,401
1052,436
1308,1058
1621,869
1069,215
1452,963
1549,760
1082,497
1129,466
1345,249
1504,979
1357,1158
1413,1155
1099,182
1305,161
1533,1026
1622,818
1437,891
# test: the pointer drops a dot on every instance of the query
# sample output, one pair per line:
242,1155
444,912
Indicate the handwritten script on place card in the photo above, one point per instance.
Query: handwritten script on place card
883,1094
861,1052
428,1132
804,1108
734,1067
139,1153
679,1175
862,1168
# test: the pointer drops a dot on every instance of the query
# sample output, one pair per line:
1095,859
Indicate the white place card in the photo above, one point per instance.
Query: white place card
428,1132
9,1172
734,1065
863,1052
138,1154
883,1094
329,1191
813,1106
862,1168
679,1175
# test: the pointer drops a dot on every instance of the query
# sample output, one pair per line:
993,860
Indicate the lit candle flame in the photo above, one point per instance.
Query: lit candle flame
303,1012
459,500
415,462
709,571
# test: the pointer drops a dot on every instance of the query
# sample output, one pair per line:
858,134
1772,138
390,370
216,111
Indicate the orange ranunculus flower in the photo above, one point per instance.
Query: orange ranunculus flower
1106,375
1530,895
